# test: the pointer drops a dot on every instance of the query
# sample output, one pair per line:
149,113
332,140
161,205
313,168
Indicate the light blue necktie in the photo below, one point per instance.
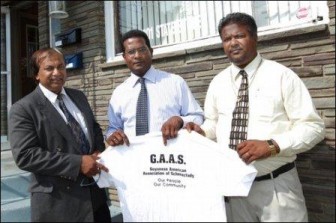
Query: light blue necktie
142,110
75,127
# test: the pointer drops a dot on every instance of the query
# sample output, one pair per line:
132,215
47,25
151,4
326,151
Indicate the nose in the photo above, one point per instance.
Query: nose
233,41
56,70
137,53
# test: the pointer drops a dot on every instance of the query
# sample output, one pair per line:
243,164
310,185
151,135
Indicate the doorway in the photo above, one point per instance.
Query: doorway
19,39
25,42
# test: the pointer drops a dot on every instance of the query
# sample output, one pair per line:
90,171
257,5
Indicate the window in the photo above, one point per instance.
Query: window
168,23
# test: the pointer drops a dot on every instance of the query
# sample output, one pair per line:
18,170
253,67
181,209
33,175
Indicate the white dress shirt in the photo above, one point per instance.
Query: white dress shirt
280,108
168,95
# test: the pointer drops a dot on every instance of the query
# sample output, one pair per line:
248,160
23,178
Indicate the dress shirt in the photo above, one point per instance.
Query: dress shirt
168,95
75,112
280,108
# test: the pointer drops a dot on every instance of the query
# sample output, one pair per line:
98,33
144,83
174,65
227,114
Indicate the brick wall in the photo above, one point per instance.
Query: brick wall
89,16
310,52
43,24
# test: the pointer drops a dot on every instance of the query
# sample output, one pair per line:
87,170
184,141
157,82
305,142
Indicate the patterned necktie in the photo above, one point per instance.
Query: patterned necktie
142,110
75,127
240,114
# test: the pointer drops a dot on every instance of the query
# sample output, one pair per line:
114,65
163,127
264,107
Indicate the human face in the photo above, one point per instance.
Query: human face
239,45
137,55
52,73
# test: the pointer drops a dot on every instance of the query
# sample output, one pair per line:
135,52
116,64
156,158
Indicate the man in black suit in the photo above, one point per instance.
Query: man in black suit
44,143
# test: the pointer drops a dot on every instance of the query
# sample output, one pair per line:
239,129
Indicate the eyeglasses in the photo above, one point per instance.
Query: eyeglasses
140,50
86,184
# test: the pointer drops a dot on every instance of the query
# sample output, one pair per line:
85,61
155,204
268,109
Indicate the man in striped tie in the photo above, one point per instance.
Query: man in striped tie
263,110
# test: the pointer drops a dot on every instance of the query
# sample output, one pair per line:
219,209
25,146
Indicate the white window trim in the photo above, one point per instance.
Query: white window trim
208,41
109,33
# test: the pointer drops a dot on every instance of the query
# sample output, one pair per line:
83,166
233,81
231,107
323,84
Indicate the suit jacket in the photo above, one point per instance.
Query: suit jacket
42,144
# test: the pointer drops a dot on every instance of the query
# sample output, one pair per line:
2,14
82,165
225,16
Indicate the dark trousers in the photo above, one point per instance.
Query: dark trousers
102,214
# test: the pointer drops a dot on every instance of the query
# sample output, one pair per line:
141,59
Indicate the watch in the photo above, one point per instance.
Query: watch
272,147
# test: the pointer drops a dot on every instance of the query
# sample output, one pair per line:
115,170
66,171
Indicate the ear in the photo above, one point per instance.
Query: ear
256,37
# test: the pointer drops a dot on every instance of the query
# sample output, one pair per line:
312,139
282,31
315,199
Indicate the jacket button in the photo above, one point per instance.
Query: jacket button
68,187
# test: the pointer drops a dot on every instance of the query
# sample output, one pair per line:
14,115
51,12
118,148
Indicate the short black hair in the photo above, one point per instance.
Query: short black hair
239,18
134,33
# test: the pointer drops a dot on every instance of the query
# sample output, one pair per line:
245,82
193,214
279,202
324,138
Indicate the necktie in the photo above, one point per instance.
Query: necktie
142,110
240,114
75,127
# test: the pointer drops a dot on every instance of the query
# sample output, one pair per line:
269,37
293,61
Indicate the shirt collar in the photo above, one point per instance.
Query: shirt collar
149,76
249,69
52,97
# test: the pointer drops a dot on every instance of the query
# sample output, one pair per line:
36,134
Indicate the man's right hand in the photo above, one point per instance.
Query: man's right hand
117,138
90,166
190,126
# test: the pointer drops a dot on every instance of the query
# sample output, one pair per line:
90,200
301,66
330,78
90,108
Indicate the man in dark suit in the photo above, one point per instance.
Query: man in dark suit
44,143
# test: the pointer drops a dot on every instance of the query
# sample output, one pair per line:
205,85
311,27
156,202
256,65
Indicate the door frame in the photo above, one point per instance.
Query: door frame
8,72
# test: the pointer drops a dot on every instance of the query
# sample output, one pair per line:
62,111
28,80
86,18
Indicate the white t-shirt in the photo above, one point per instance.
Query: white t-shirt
183,181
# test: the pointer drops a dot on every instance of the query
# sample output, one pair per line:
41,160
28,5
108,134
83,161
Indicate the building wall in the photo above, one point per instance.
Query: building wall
310,52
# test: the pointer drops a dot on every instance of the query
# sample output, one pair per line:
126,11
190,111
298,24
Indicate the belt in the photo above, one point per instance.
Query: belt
277,172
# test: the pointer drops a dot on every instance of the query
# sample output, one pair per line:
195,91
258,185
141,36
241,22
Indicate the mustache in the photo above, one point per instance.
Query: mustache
235,48
138,61
56,78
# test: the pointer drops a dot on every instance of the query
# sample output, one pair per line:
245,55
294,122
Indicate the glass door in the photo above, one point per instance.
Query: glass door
6,97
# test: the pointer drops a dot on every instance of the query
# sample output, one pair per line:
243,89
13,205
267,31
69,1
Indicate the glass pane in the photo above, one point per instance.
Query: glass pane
167,22
3,105
55,28
3,43
260,10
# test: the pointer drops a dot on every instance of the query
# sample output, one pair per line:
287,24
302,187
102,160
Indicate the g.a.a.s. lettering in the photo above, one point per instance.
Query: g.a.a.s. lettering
166,158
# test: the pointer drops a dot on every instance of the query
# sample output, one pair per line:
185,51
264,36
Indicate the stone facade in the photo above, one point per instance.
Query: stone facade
310,52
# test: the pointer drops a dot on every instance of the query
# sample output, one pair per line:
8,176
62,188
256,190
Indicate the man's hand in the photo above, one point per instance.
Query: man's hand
170,128
190,126
251,150
90,166
117,138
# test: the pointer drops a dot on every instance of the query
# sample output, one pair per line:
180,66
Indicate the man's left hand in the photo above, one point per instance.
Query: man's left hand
251,150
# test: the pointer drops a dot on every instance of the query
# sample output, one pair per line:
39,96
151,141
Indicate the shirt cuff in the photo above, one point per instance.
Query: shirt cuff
283,142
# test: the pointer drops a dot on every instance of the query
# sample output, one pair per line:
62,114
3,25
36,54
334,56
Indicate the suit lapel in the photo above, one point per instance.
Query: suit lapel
56,120
85,110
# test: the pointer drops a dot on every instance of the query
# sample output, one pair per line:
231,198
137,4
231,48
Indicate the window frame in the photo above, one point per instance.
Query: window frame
110,18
